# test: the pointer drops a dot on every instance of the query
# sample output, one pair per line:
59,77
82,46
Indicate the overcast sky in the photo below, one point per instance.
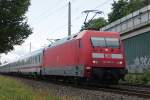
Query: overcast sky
48,18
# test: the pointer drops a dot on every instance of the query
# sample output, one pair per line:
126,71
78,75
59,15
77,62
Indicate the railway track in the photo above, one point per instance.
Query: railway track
140,91
128,90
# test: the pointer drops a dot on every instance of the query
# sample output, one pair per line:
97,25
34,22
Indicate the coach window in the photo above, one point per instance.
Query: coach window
32,60
22,62
36,59
25,60
29,60
39,58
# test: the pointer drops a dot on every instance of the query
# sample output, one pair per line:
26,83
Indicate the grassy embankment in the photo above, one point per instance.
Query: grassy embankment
11,89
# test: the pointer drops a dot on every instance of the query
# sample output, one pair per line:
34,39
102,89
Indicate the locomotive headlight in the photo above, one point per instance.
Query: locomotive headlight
106,49
120,62
95,62
88,68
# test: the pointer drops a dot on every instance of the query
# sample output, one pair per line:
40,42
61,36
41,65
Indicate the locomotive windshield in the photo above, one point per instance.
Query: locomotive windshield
98,41
105,42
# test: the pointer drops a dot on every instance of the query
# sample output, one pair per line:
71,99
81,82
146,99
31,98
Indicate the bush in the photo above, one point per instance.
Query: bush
143,78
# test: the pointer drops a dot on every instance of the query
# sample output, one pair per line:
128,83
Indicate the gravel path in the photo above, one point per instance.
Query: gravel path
72,93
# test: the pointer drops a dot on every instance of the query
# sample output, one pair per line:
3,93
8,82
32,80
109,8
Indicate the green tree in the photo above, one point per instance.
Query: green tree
122,8
145,2
135,5
13,24
119,9
95,24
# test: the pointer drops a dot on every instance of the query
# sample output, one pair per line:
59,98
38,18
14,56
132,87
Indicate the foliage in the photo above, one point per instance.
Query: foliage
119,9
122,8
95,24
13,24
134,78
142,78
146,77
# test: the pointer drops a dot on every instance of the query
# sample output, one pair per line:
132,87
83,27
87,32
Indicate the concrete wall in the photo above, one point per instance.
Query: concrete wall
135,33
130,22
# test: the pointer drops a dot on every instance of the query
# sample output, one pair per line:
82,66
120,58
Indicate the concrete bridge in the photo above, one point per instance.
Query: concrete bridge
135,33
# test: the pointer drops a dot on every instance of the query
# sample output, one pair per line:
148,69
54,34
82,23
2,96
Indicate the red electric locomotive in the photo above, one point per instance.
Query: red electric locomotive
89,55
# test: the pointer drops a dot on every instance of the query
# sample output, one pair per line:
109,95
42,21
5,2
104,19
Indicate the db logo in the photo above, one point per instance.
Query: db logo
107,55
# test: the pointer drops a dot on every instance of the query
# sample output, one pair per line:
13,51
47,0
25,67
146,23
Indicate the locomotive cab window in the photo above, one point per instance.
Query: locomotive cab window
105,42
98,41
112,42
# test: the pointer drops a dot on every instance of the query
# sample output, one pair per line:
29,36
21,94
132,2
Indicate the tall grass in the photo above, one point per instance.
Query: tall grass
11,89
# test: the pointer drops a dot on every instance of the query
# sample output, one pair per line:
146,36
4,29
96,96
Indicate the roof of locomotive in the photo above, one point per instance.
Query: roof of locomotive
64,40
80,35
101,33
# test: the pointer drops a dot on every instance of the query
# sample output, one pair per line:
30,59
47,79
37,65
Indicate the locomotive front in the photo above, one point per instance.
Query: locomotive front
106,61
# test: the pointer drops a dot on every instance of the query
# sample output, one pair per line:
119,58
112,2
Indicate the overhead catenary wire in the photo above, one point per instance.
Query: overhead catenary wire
48,13
100,5
45,12
78,17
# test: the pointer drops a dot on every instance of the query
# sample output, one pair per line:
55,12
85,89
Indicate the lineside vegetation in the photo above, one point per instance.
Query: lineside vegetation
11,89
143,78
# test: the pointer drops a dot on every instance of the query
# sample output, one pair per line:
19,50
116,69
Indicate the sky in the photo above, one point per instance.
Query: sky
49,18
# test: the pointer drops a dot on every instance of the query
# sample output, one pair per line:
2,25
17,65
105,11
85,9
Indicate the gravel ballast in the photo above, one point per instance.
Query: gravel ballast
73,93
